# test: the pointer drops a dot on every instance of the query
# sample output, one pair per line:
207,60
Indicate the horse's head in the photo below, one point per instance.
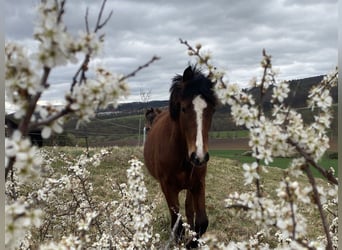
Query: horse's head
150,115
192,105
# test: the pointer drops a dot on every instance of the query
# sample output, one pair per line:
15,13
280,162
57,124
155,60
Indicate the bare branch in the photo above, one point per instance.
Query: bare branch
86,20
133,73
98,24
61,12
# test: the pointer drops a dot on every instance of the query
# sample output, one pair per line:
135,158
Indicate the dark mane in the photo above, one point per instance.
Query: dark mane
198,84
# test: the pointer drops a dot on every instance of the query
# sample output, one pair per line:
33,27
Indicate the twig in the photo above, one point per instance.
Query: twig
154,58
82,69
98,24
294,223
239,206
266,66
61,12
86,20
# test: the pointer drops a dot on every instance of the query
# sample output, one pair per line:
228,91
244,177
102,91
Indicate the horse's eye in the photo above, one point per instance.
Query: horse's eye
183,109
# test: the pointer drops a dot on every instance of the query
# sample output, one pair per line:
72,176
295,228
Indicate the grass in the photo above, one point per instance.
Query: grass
233,134
224,176
280,162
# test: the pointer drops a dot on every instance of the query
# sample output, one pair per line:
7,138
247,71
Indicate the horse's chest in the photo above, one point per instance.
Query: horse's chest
186,179
182,179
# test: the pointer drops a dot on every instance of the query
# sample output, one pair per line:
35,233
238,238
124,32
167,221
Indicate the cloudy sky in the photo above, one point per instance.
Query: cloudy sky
301,36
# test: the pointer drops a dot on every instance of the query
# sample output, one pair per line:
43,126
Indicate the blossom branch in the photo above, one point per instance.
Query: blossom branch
317,200
281,134
84,65
66,110
24,124
326,173
204,60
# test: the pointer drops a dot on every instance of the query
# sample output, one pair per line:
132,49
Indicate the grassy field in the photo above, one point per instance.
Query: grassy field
242,156
224,177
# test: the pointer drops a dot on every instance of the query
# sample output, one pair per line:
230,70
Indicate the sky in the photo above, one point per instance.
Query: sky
301,36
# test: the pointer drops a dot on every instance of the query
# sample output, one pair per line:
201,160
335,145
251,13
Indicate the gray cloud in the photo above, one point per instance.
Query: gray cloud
300,35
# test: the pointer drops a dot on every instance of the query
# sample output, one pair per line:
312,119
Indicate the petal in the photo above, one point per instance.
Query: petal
46,132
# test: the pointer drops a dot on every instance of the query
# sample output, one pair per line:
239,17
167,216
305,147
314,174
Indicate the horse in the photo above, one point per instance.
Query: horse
176,149
150,115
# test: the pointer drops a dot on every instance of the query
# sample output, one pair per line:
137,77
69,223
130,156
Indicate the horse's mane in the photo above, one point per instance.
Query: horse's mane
199,84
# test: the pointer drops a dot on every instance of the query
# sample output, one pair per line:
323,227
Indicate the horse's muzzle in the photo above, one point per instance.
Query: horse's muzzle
198,161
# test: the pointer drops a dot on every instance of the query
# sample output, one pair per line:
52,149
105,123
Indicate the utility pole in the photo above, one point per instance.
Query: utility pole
144,97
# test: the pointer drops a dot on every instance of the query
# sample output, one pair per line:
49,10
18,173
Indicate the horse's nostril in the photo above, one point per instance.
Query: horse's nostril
206,157
192,156
197,161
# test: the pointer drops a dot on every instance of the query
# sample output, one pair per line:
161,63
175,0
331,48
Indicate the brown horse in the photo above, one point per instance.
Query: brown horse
150,115
176,148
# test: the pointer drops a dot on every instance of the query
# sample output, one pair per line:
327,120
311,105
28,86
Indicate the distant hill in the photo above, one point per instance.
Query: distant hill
299,90
297,97
124,124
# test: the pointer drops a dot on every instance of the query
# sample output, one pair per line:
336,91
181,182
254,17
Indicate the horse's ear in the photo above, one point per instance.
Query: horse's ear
188,74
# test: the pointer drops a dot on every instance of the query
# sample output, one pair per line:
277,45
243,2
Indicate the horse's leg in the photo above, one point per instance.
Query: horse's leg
171,196
189,209
201,220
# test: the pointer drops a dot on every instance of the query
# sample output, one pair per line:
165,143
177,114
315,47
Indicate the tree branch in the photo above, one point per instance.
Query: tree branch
32,103
202,60
52,118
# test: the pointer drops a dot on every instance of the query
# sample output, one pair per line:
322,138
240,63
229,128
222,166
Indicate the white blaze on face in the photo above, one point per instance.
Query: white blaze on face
199,106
